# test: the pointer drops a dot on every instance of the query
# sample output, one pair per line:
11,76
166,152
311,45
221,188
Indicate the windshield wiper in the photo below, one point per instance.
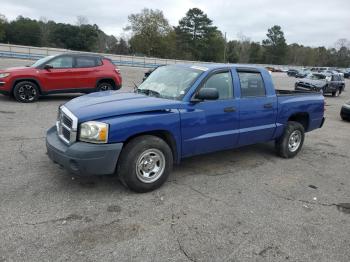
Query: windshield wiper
148,92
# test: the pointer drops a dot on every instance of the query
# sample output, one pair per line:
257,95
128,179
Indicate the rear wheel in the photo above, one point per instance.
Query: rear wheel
104,86
145,163
291,142
26,92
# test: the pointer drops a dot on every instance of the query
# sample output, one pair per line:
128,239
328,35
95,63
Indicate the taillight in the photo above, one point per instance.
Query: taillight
117,70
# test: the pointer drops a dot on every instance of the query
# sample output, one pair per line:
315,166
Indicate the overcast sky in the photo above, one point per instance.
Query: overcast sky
308,22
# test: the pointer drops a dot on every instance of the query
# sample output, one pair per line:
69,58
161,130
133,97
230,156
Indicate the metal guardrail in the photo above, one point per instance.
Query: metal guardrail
35,53
116,62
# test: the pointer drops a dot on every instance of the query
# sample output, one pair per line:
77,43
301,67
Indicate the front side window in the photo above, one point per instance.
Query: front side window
252,84
41,61
221,82
61,62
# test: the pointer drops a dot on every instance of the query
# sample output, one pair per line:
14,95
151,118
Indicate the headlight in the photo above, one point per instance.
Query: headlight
3,75
93,132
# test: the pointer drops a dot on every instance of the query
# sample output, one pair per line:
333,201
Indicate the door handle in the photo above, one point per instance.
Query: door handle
229,109
268,105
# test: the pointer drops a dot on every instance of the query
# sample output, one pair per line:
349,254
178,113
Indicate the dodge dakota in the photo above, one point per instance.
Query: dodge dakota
177,112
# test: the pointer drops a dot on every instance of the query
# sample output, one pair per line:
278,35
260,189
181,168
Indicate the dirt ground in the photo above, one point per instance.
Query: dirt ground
245,204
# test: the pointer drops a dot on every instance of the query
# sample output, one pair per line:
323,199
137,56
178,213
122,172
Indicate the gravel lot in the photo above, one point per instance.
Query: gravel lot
245,204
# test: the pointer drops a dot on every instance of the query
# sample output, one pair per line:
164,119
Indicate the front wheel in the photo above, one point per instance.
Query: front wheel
26,92
145,163
291,142
104,86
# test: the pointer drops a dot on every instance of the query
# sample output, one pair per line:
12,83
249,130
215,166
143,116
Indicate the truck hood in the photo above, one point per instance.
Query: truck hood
113,103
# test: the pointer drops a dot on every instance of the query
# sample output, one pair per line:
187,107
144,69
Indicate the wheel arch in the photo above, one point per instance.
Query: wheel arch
107,80
33,80
301,117
165,135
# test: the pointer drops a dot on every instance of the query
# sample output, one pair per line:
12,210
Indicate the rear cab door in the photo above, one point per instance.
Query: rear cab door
257,105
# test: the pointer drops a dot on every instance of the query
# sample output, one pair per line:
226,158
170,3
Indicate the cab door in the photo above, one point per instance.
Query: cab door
58,76
258,109
209,126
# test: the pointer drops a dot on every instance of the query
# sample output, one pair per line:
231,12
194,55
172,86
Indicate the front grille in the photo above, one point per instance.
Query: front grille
67,125
67,121
66,133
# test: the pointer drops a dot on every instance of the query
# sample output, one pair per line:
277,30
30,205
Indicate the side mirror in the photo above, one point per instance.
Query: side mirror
48,67
207,94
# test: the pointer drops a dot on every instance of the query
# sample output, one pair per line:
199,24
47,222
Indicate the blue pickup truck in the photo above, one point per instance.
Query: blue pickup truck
177,112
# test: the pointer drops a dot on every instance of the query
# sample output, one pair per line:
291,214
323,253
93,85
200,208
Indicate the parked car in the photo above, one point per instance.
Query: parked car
345,111
177,112
319,69
292,72
64,73
302,73
347,73
274,69
325,83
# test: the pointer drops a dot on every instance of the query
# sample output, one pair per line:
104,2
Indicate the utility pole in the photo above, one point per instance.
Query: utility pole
225,49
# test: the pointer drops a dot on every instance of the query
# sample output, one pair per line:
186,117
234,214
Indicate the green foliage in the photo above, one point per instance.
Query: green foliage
82,37
197,37
275,45
2,27
23,31
194,38
150,29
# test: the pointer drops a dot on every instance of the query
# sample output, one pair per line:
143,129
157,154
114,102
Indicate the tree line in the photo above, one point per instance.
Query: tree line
194,38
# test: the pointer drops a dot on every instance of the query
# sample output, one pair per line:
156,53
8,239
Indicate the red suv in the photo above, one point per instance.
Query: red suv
65,73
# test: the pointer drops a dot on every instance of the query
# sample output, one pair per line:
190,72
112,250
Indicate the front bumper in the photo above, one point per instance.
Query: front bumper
83,158
4,87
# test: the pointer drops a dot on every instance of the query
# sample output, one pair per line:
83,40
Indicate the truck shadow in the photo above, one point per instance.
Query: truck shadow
212,164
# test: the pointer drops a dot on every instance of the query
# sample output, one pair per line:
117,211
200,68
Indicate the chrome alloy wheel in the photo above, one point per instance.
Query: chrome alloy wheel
150,165
294,141
27,93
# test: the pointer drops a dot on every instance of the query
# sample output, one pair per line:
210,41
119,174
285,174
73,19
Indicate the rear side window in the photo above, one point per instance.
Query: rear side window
252,84
87,62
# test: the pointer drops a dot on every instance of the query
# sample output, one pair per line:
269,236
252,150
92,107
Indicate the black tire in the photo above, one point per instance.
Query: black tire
336,93
131,171
283,147
26,92
104,86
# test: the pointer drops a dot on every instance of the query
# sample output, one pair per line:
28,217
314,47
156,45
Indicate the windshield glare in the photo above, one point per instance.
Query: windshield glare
42,61
170,82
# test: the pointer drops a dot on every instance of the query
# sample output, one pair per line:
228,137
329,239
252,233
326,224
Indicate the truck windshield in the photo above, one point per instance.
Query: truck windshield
171,82
42,61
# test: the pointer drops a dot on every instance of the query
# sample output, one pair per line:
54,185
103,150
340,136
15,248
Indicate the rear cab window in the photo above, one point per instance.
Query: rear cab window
252,84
